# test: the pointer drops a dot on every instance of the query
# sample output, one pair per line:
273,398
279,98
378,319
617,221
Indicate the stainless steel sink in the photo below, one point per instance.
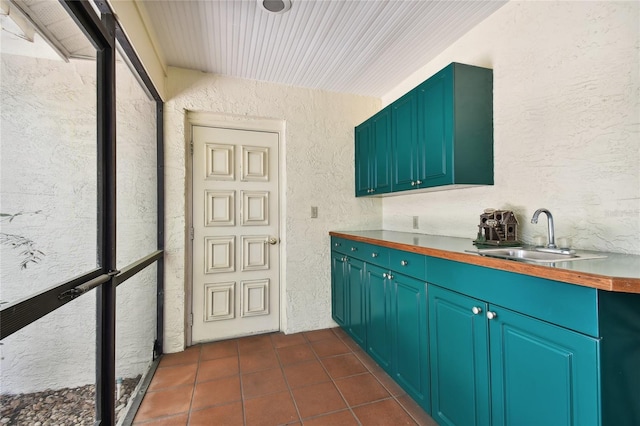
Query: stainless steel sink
534,255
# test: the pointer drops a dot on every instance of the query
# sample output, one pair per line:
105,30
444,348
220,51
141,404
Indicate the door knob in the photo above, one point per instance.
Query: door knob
273,241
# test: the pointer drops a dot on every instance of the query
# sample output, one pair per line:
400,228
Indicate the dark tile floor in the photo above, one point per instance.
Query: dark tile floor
315,378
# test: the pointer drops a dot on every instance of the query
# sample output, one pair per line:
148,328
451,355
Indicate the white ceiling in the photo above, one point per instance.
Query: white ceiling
52,22
364,47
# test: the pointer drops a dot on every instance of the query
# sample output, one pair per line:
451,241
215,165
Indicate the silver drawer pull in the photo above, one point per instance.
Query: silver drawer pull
354,248
374,254
404,262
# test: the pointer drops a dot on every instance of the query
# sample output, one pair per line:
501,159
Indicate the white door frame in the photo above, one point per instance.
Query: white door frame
237,122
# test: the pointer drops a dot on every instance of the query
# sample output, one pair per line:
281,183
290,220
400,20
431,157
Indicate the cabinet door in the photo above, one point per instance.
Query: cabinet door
435,110
410,338
363,165
338,287
378,317
404,122
542,374
356,325
459,347
381,152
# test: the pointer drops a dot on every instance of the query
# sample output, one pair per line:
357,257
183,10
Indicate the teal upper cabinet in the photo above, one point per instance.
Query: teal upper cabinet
373,163
439,134
408,165
455,129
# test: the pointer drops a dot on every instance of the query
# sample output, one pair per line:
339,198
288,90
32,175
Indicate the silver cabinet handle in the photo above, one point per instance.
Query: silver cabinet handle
384,275
413,183
491,315
404,262
418,182
337,244
476,310
390,276
374,254
354,249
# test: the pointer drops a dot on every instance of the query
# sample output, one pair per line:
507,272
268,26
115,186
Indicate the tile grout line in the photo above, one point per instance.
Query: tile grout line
333,380
242,400
346,340
295,404
195,382
391,394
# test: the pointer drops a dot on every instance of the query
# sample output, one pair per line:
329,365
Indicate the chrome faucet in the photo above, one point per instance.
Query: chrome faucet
534,219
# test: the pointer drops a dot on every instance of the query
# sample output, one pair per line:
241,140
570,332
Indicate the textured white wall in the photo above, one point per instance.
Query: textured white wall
566,122
48,163
318,171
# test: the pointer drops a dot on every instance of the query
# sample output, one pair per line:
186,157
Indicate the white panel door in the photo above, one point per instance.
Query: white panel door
236,288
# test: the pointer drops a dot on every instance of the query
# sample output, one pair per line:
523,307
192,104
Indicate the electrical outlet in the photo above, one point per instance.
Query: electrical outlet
314,212
415,222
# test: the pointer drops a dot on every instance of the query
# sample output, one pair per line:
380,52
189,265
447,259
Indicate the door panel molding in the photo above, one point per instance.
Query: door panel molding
252,255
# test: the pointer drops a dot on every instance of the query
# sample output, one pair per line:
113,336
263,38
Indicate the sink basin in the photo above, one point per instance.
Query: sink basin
533,255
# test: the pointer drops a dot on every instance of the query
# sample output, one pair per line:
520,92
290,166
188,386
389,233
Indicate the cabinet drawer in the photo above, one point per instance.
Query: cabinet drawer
569,306
407,263
369,253
340,245
374,254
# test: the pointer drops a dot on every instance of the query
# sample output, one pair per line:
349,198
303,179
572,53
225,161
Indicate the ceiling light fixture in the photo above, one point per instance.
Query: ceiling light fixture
275,6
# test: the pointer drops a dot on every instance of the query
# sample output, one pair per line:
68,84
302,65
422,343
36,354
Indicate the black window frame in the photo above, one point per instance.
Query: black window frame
104,32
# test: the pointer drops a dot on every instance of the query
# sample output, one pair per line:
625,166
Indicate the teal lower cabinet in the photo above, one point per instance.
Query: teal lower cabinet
338,288
397,330
410,337
535,364
397,336
459,347
493,366
347,295
484,347
379,318
356,326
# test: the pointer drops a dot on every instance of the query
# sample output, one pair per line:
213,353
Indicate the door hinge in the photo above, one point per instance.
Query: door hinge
191,148
191,233
191,320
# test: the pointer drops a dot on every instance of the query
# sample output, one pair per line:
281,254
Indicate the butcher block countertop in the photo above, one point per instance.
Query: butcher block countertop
617,272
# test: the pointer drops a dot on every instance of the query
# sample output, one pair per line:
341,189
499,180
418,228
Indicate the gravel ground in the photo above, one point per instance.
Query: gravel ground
69,406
